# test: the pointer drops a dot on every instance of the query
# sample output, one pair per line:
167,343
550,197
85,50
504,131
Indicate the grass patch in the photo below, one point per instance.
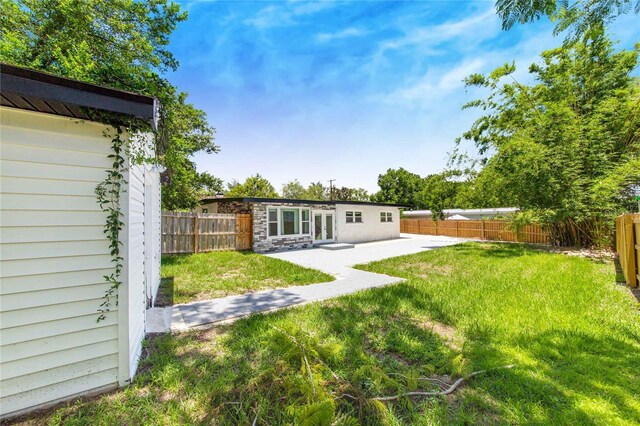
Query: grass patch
574,335
216,274
164,297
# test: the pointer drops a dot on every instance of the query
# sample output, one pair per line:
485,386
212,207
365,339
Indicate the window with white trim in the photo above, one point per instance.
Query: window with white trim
386,217
285,221
354,217
272,225
289,221
306,218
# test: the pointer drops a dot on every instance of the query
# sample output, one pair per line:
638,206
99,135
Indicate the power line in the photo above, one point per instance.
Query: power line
331,189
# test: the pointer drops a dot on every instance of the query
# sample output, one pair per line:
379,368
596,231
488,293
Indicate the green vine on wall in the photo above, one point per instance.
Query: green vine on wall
108,195
128,146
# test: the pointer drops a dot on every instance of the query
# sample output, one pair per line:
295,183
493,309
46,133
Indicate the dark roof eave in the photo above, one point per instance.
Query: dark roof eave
29,83
293,201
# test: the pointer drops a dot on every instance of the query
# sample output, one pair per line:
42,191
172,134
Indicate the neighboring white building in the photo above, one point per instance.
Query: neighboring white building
284,224
462,214
53,252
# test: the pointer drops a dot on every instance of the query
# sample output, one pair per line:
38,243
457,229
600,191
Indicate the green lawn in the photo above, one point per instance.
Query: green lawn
216,274
573,334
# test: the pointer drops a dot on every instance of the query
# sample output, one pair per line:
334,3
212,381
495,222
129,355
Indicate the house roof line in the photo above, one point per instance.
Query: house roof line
39,91
293,201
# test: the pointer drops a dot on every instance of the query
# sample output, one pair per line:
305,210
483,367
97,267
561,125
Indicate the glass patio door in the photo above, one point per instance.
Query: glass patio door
323,227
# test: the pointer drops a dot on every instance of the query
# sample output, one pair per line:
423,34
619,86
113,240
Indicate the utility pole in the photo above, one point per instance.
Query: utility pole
331,189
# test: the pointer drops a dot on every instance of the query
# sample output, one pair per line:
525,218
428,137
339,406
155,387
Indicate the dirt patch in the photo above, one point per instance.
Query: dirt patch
150,346
381,355
39,417
212,333
593,254
635,292
234,273
480,401
143,392
273,283
166,396
424,269
445,331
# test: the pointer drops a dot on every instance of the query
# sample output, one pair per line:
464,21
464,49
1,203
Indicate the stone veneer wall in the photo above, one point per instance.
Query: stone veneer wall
262,243
234,207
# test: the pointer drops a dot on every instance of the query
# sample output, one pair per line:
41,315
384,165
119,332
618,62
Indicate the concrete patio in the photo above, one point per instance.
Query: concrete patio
338,263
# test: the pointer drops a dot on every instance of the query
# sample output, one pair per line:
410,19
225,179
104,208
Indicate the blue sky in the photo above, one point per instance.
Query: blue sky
344,90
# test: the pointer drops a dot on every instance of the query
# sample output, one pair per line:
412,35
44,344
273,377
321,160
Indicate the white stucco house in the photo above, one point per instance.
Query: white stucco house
284,224
53,252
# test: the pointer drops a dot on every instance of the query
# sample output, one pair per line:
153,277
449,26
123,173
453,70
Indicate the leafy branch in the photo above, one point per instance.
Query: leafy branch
321,403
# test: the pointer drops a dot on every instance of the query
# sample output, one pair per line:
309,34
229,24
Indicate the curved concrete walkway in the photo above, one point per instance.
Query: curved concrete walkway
338,263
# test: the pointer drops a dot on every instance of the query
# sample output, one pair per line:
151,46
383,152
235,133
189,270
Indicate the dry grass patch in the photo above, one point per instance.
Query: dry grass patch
446,332
424,269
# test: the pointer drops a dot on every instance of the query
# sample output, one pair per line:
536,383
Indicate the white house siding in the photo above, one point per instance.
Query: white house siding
142,242
153,256
371,229
53,256
134,298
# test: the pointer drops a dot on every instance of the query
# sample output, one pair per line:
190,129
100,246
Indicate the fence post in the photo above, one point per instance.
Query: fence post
195,233
482,237
630,249
457,228
635,230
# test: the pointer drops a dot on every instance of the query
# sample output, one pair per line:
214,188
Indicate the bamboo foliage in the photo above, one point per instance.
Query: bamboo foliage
186,232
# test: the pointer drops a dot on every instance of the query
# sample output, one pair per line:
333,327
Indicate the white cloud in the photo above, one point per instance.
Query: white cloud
442,83
270,16
346,33
475,27
463,36
454,78
275,16
309,8
434,84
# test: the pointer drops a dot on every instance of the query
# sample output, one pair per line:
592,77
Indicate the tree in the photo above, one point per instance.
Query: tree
294,190
254,186
121,44
579,17
316,191
568,147
232,184
440,191
349,194
360,194
399,187
210,185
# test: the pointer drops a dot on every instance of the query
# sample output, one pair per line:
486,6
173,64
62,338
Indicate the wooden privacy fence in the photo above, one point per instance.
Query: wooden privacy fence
628,247
483,229
185,232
